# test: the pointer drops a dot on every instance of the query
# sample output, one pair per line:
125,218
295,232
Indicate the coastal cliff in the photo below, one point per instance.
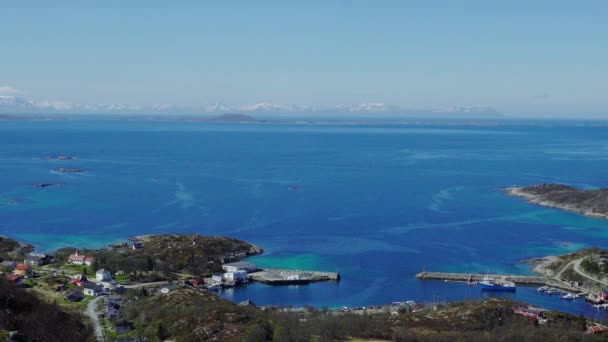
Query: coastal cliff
587,202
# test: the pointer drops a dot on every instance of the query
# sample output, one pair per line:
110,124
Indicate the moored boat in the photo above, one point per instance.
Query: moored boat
490,284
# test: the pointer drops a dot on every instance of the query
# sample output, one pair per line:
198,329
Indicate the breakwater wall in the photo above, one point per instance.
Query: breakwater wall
473,277
291,277
517,279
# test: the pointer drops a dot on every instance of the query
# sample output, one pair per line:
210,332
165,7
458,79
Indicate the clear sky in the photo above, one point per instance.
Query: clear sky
522,57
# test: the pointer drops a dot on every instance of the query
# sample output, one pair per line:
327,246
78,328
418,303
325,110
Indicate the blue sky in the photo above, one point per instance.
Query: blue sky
521,57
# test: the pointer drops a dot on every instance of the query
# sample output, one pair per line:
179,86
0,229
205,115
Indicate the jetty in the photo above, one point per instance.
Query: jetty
273,276
517,279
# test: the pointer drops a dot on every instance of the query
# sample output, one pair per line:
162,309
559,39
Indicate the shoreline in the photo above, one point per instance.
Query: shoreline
539,200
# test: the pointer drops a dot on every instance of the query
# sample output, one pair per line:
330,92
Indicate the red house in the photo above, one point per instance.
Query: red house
603,295
15,279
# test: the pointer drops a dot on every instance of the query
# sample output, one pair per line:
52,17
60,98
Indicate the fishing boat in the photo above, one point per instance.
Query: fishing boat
490,284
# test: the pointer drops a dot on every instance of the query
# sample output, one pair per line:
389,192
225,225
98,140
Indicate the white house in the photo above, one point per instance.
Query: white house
76,258
93,290
89,261
246,266
103,275
109,284
218,277
237,277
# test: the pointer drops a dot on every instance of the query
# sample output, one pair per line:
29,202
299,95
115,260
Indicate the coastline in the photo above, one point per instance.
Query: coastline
539,200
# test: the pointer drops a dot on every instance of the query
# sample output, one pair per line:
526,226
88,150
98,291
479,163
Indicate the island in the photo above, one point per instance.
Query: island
69,170
587,202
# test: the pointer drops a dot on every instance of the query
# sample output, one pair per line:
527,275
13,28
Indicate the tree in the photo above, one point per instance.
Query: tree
149,264
95,266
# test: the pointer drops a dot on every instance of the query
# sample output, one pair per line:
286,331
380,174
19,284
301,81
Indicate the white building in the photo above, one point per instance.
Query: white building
237,277
218,277
103,275
246,266
93,290
109,284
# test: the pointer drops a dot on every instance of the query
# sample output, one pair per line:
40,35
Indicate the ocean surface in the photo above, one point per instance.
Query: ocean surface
377,203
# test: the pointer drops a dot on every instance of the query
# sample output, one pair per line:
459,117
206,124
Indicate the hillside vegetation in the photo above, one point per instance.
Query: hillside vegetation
190,314
13,250
169,253
35,320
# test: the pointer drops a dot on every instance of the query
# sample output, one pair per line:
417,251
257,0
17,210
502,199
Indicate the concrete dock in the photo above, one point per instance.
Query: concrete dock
292,277
517,279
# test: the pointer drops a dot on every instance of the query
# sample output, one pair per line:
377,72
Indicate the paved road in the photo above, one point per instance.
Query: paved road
91,312
136,286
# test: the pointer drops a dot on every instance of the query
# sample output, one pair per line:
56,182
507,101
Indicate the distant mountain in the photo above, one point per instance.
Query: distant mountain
20,105
233,118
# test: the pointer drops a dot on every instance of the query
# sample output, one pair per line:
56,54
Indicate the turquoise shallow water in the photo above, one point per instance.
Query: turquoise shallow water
376,203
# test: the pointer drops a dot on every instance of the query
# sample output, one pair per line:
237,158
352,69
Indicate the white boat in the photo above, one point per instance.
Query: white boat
568,296
490,284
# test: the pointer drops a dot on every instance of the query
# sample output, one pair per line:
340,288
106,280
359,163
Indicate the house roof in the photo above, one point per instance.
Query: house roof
7,263
92,286
89,259
103,270
34,257
22,267
77,257
13,277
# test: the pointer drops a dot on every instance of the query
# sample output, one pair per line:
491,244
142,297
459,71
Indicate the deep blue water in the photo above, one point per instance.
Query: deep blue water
376,203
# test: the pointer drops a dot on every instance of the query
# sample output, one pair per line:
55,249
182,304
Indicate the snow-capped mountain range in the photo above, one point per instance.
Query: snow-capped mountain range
10,104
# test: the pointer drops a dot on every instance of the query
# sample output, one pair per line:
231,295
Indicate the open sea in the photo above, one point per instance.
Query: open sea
377,203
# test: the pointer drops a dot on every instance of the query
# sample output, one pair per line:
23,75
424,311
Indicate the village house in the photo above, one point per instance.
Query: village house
88,261
246,266
14,279
113,311
595,329
93,290
9,265
123,327
75,296
603,295
38,259
34,260
23,270
103,275
113,300
76,258
218,277
137,245
109,285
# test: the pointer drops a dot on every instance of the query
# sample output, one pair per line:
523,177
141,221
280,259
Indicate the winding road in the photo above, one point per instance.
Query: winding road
92,312
576,266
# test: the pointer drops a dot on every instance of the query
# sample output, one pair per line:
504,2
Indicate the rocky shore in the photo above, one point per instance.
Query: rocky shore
592,203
